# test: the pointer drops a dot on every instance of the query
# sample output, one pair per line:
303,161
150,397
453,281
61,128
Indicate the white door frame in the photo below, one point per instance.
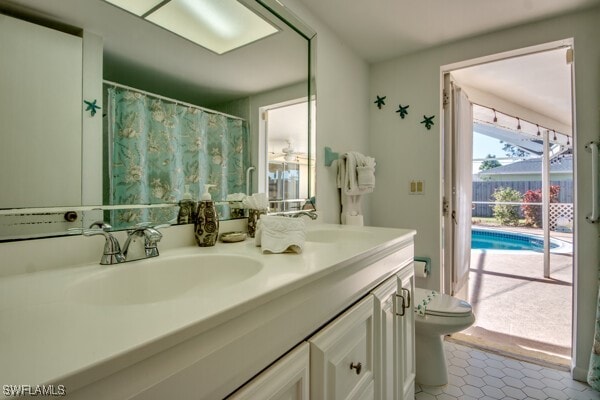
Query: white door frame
446,164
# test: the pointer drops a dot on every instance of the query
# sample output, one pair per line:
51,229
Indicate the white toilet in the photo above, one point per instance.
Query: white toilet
438,315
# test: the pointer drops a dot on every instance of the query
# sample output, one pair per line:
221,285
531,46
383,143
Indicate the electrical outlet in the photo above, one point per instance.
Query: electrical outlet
417,187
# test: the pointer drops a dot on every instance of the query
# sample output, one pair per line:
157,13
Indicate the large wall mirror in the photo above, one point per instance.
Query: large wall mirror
99,103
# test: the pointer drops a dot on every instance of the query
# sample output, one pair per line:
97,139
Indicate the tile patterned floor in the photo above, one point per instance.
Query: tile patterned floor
475,374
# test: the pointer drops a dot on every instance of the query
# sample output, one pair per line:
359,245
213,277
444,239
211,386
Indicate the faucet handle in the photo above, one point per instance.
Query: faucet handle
112,250
152,235
143,226
151,238
101,224
148,230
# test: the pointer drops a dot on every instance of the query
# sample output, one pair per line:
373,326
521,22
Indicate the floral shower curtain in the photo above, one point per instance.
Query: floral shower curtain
156,147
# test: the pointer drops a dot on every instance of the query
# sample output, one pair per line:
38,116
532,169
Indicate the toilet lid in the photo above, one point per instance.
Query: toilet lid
442,304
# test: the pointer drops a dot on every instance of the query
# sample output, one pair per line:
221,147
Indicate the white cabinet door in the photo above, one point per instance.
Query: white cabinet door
405,328
384,340
287,379
341,356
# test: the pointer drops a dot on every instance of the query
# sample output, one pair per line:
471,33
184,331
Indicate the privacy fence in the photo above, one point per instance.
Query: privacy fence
482,191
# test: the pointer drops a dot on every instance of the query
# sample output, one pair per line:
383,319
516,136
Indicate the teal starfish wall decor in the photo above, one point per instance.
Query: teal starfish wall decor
402,110
92,107
380,101
428,121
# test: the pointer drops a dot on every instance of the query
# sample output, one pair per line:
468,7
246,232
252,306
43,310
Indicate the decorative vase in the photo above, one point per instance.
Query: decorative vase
253,217
206,228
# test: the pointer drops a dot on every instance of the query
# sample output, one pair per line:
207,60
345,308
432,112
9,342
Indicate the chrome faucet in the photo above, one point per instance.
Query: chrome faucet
101,225
296,214
112,251
133,249
136,249
311,214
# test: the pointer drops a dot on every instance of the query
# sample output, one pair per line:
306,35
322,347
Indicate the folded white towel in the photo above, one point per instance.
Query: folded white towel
276,234
235,197
258,201
366,177
356,174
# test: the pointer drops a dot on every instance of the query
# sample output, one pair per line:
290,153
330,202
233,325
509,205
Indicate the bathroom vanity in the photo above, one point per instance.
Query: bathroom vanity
334,322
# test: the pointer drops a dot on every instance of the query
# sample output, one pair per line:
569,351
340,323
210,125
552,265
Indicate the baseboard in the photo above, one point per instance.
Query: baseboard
579,374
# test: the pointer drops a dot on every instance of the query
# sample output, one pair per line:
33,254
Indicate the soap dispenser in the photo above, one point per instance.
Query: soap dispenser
187,208
206,228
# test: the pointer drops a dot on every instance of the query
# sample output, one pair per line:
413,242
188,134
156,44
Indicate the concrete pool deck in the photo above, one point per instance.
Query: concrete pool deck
519,312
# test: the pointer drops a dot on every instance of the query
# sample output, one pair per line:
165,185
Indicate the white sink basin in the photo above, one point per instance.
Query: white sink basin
335,235
161,279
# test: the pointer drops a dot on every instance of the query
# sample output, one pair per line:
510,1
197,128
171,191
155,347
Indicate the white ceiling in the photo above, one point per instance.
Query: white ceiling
143,55
383,29
540,82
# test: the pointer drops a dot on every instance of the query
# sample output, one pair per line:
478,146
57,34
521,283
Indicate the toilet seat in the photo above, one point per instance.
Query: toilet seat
441,305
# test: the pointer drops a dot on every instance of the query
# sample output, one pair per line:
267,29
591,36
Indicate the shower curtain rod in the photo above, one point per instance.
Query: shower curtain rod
520,119
179,102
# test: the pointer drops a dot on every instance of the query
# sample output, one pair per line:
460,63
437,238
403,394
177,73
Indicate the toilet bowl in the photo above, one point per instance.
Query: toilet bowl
436,315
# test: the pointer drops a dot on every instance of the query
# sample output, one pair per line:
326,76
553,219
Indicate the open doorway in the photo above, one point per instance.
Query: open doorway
287,169
510,187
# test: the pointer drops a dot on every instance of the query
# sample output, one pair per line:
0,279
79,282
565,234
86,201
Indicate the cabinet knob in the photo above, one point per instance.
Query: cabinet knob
357,367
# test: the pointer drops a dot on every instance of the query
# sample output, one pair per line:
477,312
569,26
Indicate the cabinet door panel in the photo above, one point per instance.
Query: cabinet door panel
384,340
405,326
287,379
342,355
368,393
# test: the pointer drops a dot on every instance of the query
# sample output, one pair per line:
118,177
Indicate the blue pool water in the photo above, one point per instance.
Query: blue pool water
501,240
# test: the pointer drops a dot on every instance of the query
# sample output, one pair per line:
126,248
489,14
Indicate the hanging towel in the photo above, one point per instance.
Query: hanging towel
356,174
276,234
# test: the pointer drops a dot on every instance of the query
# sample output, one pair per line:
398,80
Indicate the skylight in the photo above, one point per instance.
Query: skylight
218,25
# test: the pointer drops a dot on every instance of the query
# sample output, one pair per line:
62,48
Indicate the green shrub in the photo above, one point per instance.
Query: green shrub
504,213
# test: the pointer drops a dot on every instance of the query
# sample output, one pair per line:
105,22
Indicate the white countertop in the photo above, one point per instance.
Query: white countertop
46,334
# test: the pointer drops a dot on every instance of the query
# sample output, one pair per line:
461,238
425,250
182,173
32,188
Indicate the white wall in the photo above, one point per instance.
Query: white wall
406,150
41,117
342,108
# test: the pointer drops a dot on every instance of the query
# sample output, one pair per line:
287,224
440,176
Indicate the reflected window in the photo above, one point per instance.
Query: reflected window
289,165
284,184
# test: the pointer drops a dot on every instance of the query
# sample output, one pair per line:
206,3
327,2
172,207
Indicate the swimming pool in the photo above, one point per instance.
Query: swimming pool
491,239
